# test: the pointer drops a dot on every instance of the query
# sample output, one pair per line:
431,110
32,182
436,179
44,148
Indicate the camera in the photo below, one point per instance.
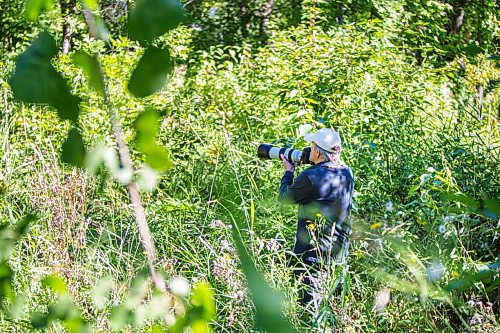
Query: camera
266,151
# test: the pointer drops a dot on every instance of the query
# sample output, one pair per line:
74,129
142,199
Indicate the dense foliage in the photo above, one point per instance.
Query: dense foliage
412,87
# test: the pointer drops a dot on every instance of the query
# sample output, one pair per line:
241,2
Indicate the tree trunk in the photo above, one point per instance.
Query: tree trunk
459,19
480,93
245,16
265,14
340,17
68,7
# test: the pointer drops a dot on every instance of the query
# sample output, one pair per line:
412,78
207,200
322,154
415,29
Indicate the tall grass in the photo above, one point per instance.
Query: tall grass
410,135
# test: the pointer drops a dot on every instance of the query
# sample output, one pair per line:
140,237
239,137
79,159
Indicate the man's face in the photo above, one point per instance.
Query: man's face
315,155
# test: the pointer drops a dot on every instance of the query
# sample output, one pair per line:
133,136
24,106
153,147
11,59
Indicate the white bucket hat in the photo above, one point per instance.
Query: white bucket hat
325,138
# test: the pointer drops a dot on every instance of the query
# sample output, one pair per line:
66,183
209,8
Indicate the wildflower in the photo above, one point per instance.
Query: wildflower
442,228
311,226
239,295
470,303
225,246
389,206
476,319
272,245
447,219
212,12
223,268
455,275
376,225
216,224
319,215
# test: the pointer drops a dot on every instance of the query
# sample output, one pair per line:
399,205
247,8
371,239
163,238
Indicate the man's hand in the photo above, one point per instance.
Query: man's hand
287,165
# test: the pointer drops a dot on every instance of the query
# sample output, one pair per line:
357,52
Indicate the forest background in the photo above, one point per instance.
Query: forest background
190,90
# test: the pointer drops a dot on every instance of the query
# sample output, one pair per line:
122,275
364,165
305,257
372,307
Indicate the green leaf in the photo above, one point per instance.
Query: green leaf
101,291
203,299
38,320
73,150
6,274
91,4
151,72
157,157
152,18
55,283
36,81
269,316
35,7
146,125
120,317
491,208
92,70
23,224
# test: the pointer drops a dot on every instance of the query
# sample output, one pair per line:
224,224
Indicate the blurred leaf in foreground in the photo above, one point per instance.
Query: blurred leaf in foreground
268,303
91,4
36,81
152,18
146,125
92,70
151,72
73,150
35,7
200,312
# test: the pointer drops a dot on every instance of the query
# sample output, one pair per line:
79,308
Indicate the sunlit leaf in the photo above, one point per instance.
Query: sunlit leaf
36,81
148,179
73,150
91,4
94,158
101,31
146,125
152,18
203,299
120,317
92,70
101,291
6,281
55,283
151,72
35,7
157,157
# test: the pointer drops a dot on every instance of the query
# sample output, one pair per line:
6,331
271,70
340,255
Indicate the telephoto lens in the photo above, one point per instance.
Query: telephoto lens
266,151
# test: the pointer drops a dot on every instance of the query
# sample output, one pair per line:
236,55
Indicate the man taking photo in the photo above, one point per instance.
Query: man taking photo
323,193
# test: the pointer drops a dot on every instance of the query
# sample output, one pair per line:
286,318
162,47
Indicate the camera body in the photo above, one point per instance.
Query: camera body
267,151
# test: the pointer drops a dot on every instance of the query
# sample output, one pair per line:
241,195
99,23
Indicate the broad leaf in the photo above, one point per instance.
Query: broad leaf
269,316
73,150
92,70
152,18
146,125
35,7
36,81
151,72
91,4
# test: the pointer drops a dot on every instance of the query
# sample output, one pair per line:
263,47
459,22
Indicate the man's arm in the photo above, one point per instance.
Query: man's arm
299,191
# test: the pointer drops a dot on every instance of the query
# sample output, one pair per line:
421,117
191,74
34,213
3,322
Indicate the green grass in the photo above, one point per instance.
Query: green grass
396,123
